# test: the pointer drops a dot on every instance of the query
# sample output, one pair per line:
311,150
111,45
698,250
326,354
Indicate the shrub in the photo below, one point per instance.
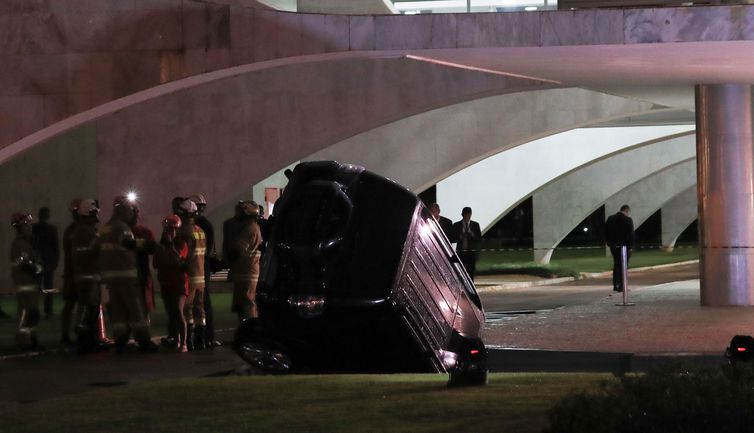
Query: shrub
666,400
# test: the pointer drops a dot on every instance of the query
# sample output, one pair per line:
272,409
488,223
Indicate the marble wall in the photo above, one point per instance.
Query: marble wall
60,57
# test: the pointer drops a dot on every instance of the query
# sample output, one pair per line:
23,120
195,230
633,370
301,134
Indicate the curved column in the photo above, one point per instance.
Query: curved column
526,168
562,204
677,215
725,148
438,143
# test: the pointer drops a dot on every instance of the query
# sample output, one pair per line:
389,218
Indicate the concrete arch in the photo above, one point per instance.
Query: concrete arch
519,172
562,204
677,216
438,143
651,194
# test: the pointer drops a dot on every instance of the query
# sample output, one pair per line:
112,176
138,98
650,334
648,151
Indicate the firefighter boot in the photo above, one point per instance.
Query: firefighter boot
200,342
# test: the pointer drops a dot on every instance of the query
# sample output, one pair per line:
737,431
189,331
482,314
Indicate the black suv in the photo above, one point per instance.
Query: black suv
358,277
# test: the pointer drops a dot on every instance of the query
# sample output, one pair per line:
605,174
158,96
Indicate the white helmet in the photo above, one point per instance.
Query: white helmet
188,206
88,207
198,199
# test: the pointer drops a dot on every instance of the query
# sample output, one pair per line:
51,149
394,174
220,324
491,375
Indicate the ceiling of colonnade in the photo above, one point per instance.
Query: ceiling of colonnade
661,73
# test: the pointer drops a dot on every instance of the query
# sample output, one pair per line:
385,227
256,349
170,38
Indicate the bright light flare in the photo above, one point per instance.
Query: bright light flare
131,196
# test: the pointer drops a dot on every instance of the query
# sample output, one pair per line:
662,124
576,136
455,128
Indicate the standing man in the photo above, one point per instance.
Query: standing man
193,236
619,231
118,270
445,223
244,258
70,297
45,243
468,236
209,236
25,271
86,275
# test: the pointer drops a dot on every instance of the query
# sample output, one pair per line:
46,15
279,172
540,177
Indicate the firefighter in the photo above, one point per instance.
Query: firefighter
194,237
209,233
244,258
25,271
118,270
86,277
69,288
170,262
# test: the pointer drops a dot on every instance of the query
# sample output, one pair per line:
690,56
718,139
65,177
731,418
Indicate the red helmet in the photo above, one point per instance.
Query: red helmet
74,206
171,221
20,218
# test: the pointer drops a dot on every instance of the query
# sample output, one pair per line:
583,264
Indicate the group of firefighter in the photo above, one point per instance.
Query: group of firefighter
107,274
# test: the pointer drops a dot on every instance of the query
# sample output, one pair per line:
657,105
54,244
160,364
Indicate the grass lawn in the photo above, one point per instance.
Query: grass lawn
49,330
335,403
572,262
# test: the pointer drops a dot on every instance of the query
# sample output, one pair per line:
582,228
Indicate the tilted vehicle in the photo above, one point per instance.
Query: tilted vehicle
358,277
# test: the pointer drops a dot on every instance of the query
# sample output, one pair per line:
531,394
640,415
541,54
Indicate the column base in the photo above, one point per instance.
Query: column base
726,276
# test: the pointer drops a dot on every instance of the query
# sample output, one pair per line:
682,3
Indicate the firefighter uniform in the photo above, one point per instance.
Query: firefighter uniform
25,272
244,269
86,277
192,235
118,271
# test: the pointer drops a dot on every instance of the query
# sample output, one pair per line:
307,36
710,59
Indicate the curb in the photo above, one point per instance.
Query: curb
632,270
584,276
524,284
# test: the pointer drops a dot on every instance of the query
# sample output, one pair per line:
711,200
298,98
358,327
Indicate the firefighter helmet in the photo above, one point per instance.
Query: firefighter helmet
88,207
20,218
187,207
250,208
171,221
73,207
198,199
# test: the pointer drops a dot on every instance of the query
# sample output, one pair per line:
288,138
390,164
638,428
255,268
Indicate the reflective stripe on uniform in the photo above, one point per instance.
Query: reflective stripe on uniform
200,251
27,288
127,273
198,235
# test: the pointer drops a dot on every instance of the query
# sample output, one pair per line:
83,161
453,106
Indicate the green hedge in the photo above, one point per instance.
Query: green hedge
669,400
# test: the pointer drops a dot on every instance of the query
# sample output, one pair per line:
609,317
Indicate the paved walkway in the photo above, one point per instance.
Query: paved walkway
667,319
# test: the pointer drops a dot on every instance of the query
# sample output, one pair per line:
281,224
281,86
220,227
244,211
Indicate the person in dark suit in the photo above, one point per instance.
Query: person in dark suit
45,244
619,231
468,236
445,223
